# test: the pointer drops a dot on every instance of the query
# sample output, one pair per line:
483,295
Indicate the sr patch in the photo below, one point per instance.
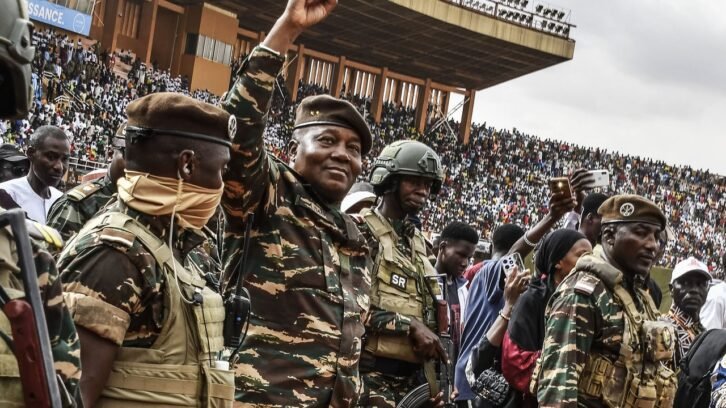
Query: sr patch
399,281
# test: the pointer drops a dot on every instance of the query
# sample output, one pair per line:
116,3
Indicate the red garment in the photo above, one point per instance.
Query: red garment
518,364
471,272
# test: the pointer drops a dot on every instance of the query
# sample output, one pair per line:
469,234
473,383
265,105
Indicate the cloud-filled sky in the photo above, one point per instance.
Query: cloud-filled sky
648,78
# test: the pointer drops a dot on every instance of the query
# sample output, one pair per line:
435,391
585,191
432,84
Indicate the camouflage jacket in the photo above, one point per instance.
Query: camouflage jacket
117,277
70,212
63,337
307,266
578,324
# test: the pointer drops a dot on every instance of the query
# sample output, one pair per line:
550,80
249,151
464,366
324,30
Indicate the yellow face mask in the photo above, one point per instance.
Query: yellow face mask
154,195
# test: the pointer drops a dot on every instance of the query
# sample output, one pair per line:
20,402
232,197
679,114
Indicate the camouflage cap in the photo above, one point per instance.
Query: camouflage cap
326,110
174,114
631,208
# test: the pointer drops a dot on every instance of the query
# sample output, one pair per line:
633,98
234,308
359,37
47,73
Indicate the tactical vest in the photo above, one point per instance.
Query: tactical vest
178,369
399,285
639,377
11,389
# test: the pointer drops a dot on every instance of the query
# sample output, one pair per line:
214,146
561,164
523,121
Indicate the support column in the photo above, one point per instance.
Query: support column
295,72
111,23
422,106
466,116
445,95
147,26
338,77
377,100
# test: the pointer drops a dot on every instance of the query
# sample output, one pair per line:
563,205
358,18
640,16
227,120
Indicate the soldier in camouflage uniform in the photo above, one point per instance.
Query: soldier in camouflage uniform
399,336
603,344
16,53
307,264
70,212
150,326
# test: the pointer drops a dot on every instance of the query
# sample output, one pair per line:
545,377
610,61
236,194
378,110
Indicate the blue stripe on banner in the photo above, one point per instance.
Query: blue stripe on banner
58,16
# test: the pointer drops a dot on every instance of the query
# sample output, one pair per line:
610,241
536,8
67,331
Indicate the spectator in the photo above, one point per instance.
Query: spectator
487,354
35,194
589,222
458,241
689,288
713,312
555,258
484,302
13,163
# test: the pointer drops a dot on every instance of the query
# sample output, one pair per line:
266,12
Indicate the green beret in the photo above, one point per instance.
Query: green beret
326,110
631,208
179,115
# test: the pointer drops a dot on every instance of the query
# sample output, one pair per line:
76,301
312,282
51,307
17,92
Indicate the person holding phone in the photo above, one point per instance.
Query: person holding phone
486,291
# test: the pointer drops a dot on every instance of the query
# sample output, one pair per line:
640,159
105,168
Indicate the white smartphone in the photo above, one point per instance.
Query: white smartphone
512,261
601,178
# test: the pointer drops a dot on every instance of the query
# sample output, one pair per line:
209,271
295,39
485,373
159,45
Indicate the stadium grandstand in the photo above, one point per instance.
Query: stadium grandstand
398,61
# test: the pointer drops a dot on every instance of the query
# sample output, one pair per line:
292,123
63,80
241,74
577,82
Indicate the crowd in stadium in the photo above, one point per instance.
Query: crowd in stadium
499,177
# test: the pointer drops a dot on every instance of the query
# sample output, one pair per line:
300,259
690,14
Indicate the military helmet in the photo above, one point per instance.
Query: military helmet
16,55
406,157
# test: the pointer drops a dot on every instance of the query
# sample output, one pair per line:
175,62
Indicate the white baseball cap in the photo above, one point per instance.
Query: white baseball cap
355,198
690,265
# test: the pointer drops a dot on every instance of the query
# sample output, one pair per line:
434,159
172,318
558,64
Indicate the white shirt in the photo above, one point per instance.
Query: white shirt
713,312
35,206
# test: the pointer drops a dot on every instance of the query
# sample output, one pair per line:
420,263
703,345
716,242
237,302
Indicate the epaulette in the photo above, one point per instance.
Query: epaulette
117,236
44,233
586,284
79,193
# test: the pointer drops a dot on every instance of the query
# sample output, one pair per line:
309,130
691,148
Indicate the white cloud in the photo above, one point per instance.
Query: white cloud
648,78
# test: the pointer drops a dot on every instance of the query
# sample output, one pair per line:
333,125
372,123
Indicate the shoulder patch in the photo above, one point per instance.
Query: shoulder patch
117,236
586,284
84,190
44,233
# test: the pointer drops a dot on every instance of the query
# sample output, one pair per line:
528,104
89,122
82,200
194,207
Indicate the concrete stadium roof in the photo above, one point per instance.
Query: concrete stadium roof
421,38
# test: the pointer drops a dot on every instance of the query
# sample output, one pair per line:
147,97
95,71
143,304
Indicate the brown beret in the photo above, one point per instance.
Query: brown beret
631,208
179,115
326,110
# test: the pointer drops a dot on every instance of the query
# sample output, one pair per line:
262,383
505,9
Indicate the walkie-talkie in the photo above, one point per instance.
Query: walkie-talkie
237,305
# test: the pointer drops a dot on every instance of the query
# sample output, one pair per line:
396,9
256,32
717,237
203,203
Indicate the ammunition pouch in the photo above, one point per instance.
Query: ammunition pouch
658,338
394,347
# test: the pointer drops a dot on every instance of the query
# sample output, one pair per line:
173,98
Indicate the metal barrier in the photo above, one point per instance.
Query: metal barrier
85,165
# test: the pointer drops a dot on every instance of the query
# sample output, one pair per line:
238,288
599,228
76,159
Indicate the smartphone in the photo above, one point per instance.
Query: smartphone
601,178
560,185
512,261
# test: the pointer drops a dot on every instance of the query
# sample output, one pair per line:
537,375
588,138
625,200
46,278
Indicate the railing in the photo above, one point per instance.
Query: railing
540,17
85,165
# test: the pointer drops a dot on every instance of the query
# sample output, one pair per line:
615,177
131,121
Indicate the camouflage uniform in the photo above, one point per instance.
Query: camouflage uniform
584,319
307,266
63,337
123,280
70,212
387,389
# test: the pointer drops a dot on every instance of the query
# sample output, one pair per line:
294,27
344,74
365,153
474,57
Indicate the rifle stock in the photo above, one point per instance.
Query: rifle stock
31,341
446,371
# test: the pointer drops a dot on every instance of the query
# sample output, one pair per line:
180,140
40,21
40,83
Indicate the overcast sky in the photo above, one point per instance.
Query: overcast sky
648,78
